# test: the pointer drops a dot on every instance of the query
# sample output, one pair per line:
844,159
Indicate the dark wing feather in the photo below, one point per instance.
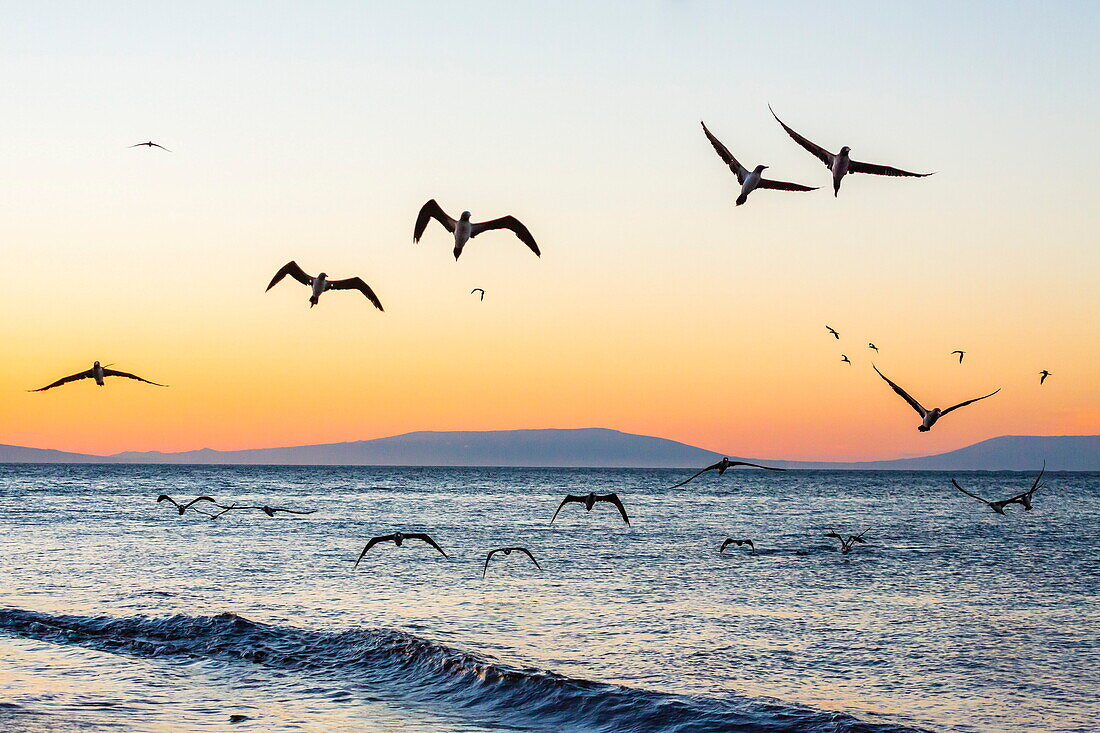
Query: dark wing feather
65,380
527,552
755,465
431,210
905,395
700,473
292,511
784,185
725,155
969,402
425,538
114,373
1038,478
511,223
972,496
854,166
568,498
813,148
373,541
834,535
614,499
487,559
291,268
356,283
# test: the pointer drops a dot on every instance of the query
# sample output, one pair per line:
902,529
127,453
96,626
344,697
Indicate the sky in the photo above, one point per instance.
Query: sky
315,132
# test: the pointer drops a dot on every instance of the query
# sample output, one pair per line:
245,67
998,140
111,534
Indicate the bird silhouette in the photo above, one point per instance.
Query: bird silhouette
749,180
97,373
464,230
508,551
322,284
1023,499
928,417
721,467
397,538
589,501
730,541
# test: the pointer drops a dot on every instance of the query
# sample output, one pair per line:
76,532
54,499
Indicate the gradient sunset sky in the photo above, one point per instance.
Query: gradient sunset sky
315,131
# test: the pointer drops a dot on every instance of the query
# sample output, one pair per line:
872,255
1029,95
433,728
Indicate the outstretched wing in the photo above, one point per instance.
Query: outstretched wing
568,498
512,224
834,535
165,497
614,499
854,166
697,475
487,559
291,511
64,380
972,496
969,402
755,465
291,268
373,541
813,148
431,210
726,155
906,396
429,540
196,500
784,185
114,373
527,552
1036,484
356,283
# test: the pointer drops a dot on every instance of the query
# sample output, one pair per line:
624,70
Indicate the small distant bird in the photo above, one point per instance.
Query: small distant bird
98,373
730,541
465,230
321,284
846,545
872,346
840,164
397,538
479,290
721,467
749,180
832,331
960,353
151,144
1043,376
269,511
184,507
1023,499
844,358
589,501
929,417
508,551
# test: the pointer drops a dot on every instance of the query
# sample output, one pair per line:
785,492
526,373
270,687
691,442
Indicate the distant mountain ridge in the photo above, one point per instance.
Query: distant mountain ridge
587,447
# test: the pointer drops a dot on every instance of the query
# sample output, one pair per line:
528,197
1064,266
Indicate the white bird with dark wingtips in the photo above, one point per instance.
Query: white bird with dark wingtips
98,373
321,284
464,230
929,417
749,180
839,163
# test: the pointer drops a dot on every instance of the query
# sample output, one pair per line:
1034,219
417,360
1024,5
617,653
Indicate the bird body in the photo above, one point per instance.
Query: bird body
749,180
464,230
721,467
589,501
928,417
321,284
97,373
508,551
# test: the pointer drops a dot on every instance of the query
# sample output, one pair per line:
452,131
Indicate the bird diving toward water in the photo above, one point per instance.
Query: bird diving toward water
397,538
98,373
844,358
589,501
321,284
1043,376
1023,499
846,545
184,507
960,353
872,346
749,180
508,551
730,541
831,330
479,290
928,417
839,163
721,467
151,144
464,230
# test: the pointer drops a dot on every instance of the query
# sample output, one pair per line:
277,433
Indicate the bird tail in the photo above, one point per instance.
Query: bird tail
312,300
741,199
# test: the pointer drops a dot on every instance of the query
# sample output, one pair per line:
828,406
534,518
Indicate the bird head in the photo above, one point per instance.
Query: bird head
397,537
760,168
96,364
465,216
845,150
323,275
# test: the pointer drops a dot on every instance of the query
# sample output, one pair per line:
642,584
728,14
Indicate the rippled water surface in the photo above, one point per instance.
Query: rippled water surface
117,613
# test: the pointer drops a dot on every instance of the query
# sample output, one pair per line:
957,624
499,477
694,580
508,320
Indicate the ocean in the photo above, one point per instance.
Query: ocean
118,614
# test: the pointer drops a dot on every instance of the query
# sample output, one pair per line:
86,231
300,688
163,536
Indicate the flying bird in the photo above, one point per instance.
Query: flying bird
508,551
832,331
1023,499
844,358
151,144
465,230
872,346
397,538
839,163
846,545
321,284
721,467
184,507
269,511
98,373
960,353
479,290
1043,376
589,501
730,541
749,180
929,417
